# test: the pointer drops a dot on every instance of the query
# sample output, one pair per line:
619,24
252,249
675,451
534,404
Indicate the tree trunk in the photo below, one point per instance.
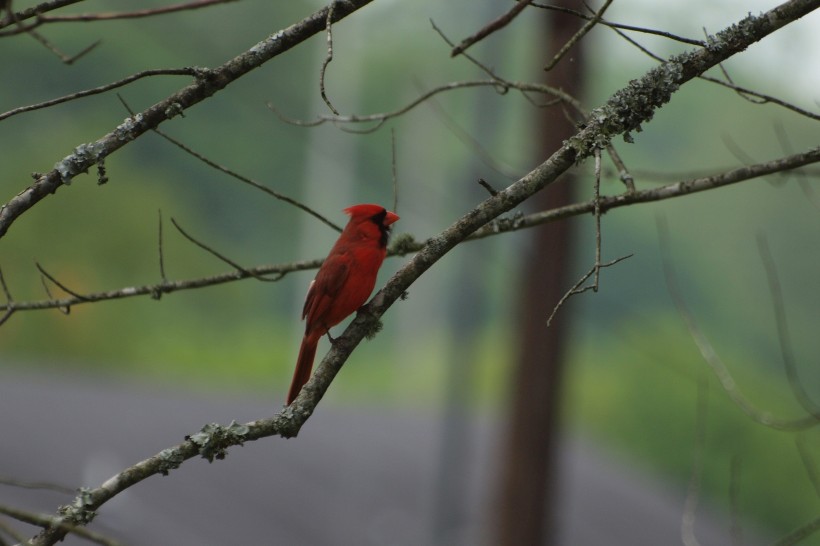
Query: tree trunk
526,502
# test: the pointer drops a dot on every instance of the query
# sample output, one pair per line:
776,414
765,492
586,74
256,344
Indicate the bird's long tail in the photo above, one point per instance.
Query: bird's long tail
304,365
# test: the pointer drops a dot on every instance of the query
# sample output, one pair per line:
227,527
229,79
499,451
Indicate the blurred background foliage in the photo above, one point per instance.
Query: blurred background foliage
634,370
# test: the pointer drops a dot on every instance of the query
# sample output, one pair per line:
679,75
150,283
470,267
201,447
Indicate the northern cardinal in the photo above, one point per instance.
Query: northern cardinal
344,282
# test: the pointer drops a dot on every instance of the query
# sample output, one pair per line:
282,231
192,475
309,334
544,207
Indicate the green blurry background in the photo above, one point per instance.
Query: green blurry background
633,369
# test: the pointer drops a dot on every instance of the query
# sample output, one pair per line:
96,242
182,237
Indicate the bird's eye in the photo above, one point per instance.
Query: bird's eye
379,217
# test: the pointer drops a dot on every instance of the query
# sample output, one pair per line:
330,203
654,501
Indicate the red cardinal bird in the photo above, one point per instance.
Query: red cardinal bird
344,282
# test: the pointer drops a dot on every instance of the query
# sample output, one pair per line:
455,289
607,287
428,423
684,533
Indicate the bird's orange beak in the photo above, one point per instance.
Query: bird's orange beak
390,217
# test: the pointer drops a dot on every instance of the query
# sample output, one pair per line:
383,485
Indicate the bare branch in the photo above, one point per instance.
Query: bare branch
102,89
470,142
157,290
35,11
604,22
87,155
223,258
763,98
63,309
380,118
29,29
578,288
623,173
808,462
493,26
711,357
486,185
49,486
249,181
136,14
162,276
10,531
46,521
783,336
487,70
57,283
67,59
577,36
505,85
328,59
801,533
9,309
38,12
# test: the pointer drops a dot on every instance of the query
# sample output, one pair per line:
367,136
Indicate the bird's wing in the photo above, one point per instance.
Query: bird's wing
324,288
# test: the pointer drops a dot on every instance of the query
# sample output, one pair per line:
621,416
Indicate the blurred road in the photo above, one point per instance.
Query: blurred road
355,476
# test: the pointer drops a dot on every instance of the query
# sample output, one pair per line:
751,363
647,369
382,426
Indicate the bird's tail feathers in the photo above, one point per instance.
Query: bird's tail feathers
304,365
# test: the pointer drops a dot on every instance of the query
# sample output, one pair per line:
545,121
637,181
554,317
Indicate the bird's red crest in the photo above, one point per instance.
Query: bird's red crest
363,210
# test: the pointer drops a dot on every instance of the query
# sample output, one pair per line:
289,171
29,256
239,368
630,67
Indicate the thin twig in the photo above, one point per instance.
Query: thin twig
764,98
748,94
42,18
237,176
29,29
203,246
710,356
637,45
808,462
248,181
64,309
86,155
604,22
577,288
471,142
800,534
148,12
486,69
595,271
486,185
9,300
577,36
162,276
505,85
623,173
783,336
16,536
102,89
380,118
496,24
45,520
328,57
60,285
48,486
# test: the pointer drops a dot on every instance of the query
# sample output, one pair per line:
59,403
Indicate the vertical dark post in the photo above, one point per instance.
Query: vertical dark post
526,500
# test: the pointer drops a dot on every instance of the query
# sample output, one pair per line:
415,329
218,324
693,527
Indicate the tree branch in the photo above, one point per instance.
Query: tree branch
209,82
102,89
37,12
496,24
404,245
